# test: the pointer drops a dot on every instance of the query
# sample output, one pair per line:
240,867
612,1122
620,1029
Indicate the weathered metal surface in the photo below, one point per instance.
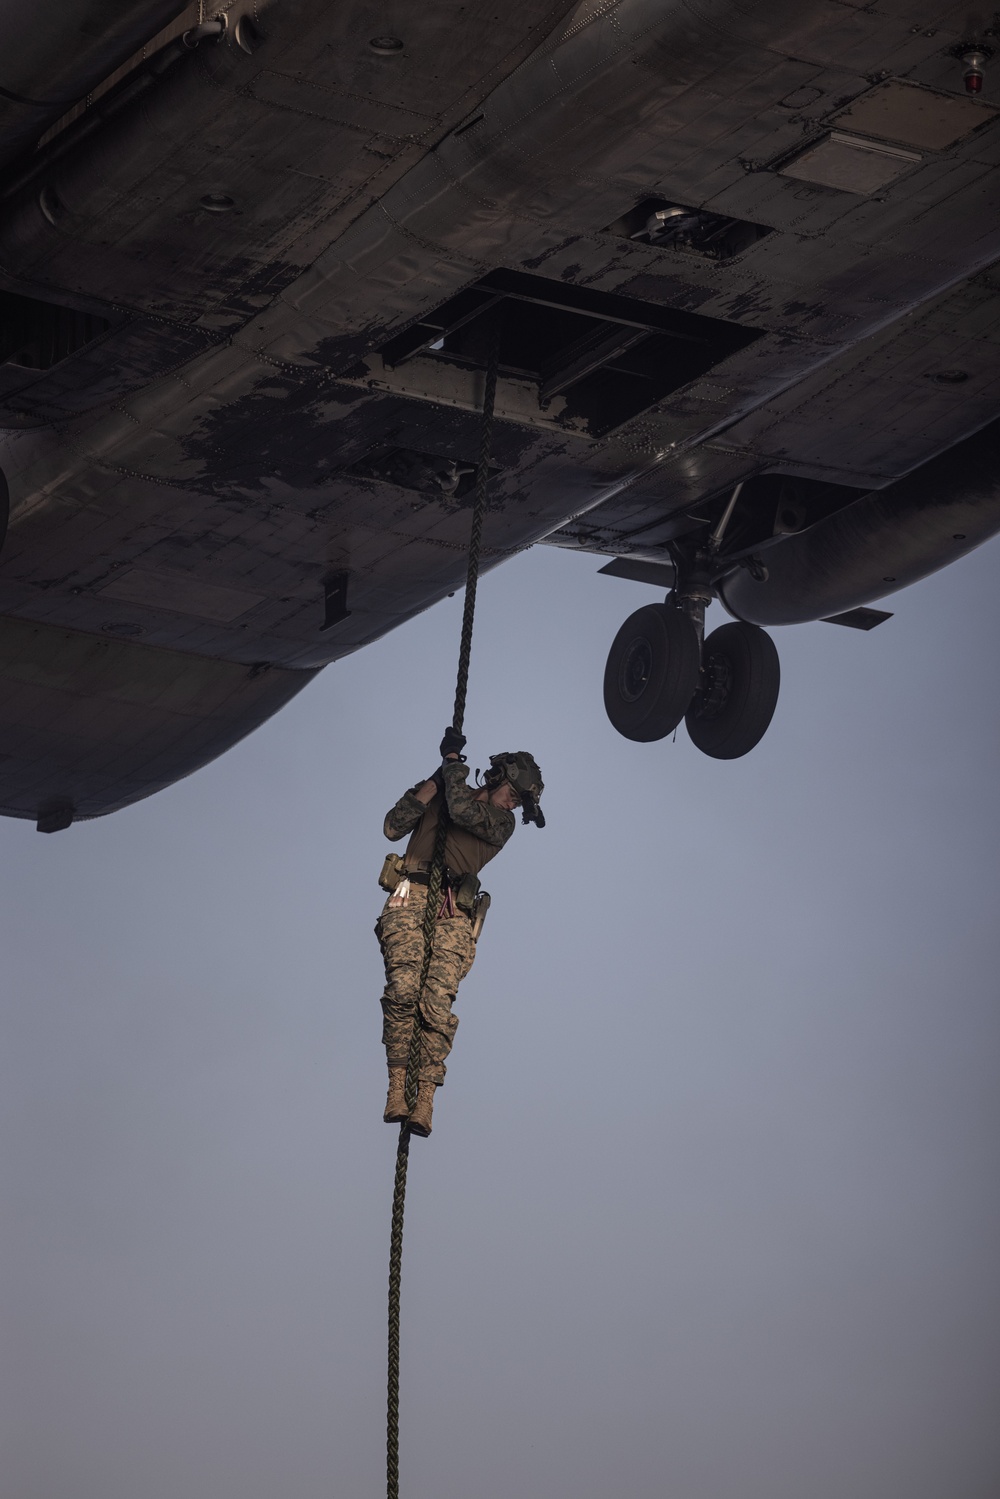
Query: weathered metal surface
55,51
94,722
880,543
215,439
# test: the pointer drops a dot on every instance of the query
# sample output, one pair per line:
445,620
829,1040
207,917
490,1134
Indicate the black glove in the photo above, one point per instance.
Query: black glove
453,743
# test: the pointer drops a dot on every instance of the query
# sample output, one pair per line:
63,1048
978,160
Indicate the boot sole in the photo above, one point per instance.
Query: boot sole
418,1129
395,1118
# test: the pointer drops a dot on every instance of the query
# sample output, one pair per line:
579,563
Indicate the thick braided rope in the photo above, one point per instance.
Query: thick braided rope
434,885
476,537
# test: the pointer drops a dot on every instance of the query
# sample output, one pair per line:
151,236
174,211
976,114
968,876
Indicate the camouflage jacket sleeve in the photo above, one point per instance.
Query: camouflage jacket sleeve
493,825
403,817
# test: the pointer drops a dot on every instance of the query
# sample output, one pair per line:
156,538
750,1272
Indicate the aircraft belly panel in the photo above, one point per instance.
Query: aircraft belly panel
260,232
90,723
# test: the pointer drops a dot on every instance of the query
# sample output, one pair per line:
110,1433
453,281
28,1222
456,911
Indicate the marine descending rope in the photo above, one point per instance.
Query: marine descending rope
430,919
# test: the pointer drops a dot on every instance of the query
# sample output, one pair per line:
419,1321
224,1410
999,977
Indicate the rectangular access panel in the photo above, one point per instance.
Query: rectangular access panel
604,357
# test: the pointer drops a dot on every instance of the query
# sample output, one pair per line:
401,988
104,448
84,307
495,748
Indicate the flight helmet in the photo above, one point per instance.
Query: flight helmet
520,770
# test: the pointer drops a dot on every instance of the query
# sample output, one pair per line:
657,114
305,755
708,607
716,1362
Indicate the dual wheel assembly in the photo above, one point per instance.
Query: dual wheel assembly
726,690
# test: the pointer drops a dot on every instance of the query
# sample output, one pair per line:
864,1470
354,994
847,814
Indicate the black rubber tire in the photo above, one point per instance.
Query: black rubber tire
652,673
744,662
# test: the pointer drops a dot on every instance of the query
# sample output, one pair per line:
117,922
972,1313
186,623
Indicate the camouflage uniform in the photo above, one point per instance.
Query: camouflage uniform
477,833
401,934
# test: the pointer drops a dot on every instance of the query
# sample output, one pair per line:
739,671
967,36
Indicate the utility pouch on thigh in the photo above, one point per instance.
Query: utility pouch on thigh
392,872
479,911
467,893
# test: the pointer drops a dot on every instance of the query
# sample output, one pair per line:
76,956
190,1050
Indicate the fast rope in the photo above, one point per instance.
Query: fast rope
434,883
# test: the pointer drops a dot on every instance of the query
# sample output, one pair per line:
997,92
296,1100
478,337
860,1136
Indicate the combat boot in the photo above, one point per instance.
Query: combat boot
395,1105
420,1116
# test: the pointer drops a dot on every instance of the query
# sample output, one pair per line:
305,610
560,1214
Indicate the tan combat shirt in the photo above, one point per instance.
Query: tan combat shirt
478,830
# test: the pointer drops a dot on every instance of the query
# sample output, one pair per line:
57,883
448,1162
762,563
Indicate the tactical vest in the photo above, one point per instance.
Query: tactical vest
464,853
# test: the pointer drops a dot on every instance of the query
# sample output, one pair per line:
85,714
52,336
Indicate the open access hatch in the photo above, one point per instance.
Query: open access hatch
571,357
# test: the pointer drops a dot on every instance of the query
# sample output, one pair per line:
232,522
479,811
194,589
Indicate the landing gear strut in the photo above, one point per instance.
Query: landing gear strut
661,668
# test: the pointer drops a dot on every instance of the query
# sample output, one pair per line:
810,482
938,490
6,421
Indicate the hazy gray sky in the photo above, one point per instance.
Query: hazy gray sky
711,1206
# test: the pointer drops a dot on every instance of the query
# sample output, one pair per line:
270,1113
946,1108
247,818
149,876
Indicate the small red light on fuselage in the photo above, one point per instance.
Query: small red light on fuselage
973,75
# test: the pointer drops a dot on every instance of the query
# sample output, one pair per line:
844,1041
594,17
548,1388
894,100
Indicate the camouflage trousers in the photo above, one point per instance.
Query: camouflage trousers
400,932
